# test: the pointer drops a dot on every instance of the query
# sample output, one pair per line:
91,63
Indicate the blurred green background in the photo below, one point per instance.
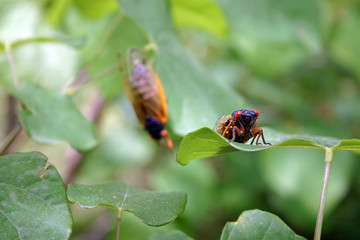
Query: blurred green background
297,62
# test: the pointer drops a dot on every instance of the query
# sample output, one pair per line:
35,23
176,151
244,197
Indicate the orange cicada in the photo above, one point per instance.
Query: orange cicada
240,126
146,95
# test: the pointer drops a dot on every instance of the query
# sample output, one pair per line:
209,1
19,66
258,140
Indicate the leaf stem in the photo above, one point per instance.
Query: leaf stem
118,224
328,159
10,139
95,78
11,63
99,49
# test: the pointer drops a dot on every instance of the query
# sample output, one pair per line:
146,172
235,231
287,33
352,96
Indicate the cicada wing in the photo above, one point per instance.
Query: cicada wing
146,87
221,124
140,114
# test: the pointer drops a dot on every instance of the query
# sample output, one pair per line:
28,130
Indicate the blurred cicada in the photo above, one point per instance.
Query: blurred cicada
146,95
240,126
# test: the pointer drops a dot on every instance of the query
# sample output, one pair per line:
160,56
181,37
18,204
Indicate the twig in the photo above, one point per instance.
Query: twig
11,63
118,224
10,139
319,220
110,31
99,76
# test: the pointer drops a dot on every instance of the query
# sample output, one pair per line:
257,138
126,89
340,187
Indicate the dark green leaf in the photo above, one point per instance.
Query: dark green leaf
50,117
152,208
174,235
32,207
194,98
256,224
205,142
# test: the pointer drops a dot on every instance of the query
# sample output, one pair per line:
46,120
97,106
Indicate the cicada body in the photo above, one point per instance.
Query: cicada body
240,126
146,94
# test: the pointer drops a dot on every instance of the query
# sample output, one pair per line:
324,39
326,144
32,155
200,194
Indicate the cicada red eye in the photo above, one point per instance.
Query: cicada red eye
237,114
257,112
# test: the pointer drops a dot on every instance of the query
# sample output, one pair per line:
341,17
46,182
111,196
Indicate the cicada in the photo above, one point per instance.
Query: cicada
240,127
146,94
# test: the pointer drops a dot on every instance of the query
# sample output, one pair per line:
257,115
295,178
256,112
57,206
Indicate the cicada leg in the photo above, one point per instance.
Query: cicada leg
225,132
236,131
258,132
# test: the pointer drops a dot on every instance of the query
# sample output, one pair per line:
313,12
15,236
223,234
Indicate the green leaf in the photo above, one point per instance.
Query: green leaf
283,31
95,8
185,81
173,235
256,224
152,208
201,14
205,142
344,47
32,207
52,63
49,117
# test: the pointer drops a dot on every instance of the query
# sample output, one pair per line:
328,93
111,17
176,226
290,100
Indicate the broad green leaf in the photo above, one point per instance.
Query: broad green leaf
185,81
273,37
51,63
32,207
152,208
256,224
201,14
49,117
174,235
205,142
95,8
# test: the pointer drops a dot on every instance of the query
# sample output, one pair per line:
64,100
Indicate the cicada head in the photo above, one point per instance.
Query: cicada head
247,118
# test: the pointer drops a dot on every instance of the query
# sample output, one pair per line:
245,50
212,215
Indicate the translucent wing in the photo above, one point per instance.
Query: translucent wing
221,124
144,88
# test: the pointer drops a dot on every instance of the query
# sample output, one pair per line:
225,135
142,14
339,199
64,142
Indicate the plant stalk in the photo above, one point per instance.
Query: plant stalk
118,224
10,139
319,220
11,63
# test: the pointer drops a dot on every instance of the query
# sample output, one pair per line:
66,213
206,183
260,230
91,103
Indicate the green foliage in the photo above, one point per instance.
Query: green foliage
152,208
270,44
32,207
50,117
183,76
256,224
174,235
296,62
202,14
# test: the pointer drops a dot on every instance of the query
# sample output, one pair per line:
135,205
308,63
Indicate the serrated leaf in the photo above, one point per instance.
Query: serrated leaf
152,208
173,235
205,142
256,224
50,117
32,207
185,81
